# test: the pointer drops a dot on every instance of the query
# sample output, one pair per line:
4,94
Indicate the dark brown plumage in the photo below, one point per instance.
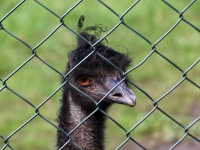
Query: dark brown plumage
94,77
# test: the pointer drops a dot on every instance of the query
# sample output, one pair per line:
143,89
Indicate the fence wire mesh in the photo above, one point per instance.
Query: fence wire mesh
164,36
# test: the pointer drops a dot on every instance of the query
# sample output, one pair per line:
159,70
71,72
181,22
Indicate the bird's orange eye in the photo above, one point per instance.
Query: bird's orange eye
84,80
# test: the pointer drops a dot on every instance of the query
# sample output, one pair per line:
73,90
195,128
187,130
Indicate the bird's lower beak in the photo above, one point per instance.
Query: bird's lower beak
121,94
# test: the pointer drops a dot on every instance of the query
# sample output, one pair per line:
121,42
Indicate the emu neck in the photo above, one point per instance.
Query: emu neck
89,135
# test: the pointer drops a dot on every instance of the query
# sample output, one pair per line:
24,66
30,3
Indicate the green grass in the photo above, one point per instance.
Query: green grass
35,81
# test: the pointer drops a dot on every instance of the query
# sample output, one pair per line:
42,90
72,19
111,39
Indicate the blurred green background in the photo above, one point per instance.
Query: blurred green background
36,81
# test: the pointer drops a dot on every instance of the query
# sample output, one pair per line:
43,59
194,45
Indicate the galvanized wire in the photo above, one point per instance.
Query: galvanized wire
61,23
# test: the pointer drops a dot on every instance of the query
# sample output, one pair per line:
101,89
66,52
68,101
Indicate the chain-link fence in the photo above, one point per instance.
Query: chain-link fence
161,36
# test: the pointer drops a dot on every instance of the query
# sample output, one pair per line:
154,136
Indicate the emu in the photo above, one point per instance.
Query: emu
95,77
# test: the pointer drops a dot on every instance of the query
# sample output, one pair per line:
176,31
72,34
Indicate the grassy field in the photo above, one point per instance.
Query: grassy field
35,81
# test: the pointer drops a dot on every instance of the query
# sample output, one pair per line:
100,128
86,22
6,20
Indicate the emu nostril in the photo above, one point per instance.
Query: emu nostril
117,95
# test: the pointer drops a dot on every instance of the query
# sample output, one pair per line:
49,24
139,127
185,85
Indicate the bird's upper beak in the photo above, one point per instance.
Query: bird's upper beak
121,94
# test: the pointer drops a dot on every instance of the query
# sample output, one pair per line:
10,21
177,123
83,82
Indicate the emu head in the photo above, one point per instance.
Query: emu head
100,72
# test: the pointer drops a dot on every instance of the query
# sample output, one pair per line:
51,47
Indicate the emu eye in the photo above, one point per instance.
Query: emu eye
84,80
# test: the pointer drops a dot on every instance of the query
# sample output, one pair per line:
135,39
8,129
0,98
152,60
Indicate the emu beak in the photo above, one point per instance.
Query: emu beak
121,94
